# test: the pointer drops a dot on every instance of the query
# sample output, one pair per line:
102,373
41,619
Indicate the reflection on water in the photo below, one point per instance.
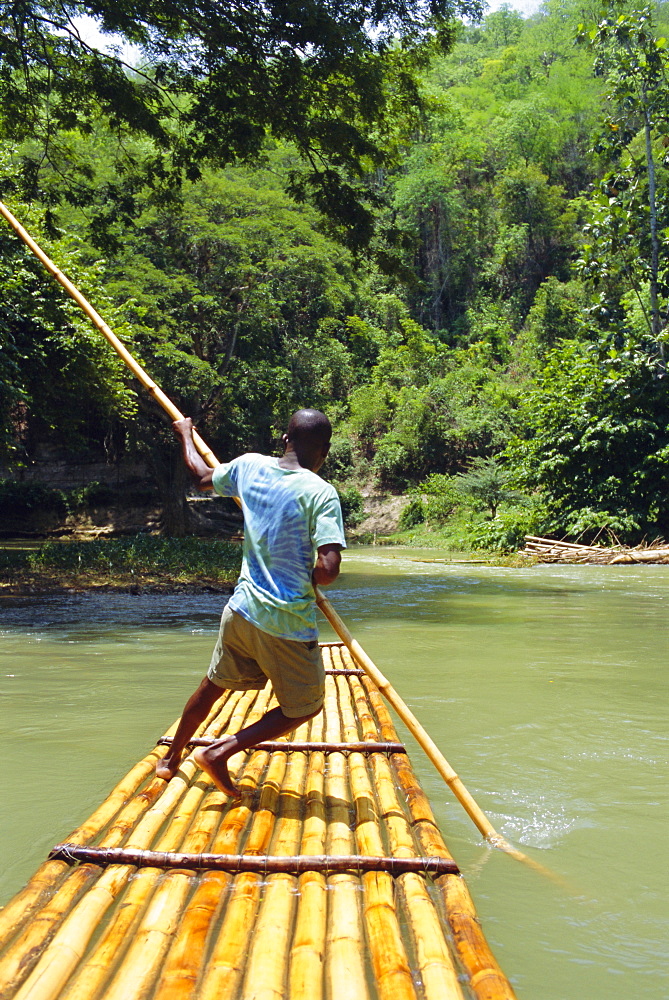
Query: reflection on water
545,688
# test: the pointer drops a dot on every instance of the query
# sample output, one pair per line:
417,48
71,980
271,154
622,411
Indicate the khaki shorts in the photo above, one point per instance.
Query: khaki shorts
245,657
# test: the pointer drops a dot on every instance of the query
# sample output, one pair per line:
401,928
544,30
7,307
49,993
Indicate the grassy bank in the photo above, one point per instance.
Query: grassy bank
143,562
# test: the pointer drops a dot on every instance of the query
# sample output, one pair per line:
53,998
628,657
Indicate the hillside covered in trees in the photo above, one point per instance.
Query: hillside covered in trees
449,234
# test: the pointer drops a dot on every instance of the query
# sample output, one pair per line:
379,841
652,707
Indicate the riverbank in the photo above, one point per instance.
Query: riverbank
25,584
143,564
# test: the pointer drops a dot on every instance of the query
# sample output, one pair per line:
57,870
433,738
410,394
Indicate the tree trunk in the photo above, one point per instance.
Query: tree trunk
654,241
174,521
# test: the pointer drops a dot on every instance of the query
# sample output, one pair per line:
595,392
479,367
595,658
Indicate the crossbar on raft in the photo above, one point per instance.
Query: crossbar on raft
295,865
293,746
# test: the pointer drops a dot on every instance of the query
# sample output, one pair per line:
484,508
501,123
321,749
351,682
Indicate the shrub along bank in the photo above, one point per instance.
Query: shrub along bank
143,562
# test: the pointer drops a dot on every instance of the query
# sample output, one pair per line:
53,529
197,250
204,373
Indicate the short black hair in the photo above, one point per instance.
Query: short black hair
309,426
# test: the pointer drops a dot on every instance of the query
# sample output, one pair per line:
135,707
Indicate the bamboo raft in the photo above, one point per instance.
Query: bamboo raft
548,550
327,880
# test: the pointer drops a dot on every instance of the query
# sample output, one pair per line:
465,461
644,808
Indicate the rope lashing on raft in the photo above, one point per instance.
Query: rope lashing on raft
295,865
295,746
342,671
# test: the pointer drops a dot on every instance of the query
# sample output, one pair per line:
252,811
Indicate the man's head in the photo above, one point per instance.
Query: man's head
308,435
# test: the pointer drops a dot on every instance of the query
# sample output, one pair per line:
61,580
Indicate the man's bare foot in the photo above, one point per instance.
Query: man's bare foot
214,762
167,768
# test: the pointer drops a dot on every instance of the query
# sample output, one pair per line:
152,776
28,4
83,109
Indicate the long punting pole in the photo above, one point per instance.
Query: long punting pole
406,715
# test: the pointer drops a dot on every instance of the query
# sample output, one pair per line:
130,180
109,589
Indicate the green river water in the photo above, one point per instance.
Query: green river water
546,689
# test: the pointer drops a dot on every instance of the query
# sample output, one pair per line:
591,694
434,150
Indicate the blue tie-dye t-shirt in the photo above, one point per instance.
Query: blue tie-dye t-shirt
288,514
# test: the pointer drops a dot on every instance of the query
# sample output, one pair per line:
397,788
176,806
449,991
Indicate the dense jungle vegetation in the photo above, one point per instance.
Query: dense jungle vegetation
448,233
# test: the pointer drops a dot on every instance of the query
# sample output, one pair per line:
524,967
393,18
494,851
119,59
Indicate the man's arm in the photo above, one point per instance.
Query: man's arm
196,465
327,565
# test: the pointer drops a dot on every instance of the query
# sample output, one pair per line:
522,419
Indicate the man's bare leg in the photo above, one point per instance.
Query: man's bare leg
214,759
196,711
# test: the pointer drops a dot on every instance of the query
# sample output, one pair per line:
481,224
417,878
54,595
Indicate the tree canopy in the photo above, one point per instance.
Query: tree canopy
214,81
512,317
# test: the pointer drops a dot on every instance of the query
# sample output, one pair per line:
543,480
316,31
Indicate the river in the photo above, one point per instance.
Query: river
545,688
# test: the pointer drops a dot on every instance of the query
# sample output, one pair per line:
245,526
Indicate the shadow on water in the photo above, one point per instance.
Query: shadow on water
87,615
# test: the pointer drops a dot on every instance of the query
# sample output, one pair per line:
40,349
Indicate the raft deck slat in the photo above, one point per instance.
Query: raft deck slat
131,929
296,746
290,864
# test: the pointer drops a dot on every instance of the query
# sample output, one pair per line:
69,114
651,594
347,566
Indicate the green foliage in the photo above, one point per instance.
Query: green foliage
541,230
213,81
20,499
239,302
339,463
372,408
352,505
437,427
627,235
503,533
434,502
596,443
141,553
53,365
439,511
476,171
412,515
557,313
486,482
504,26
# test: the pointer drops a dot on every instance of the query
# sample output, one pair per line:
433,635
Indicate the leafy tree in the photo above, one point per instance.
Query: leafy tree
526,132
352,505
432,201
238,303
58,377
503,26
632,213
486,482
596,444
436,428
557,313
537,238
434,501
213,82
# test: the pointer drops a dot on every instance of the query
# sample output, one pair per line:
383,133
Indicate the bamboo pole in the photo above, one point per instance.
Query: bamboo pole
388,954
424,740
228,956
302,746
345,972
308,949
104,329
193,860
427,744
270,945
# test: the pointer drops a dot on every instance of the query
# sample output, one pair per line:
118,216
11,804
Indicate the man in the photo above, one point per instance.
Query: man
268,628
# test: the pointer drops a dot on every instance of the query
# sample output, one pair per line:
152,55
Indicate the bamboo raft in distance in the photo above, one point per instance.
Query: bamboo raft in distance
549,550
328,880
